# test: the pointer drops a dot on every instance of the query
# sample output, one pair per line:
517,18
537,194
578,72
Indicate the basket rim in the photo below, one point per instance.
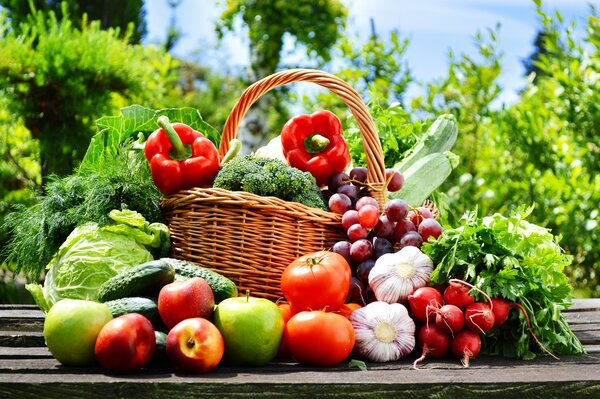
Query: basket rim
217,196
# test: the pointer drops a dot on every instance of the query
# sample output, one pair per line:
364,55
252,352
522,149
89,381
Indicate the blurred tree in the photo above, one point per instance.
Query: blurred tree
467,92
173,31
316,24
57,79
531,63
111,14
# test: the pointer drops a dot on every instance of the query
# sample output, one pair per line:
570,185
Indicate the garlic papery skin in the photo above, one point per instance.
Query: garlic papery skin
397,275
383,332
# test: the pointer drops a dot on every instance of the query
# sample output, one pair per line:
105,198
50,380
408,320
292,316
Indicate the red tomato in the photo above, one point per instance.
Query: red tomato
286,312
317,281
319,338
347,309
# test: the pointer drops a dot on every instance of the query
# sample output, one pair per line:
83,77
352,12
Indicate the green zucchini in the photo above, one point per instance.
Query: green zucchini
424,177
222,287
145,279
147,307
440,137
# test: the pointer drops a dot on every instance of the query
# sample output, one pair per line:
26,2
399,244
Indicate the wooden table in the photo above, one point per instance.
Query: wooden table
27,370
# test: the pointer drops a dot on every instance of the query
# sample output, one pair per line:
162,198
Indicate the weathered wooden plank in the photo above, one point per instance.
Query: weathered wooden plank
593,349
22,338
579,317
511,369
587,304
486,378
28,312
24,352
21,324
173,389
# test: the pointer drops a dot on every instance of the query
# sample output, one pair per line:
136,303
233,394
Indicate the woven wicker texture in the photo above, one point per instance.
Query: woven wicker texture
251,239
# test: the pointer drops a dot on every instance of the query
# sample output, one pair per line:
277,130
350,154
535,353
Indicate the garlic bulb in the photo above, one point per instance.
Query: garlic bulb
383,332
397,275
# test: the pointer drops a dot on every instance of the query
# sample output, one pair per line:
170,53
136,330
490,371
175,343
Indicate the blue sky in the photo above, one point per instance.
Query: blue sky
434,27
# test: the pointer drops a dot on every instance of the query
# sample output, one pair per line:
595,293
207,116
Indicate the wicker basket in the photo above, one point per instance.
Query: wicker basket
251,239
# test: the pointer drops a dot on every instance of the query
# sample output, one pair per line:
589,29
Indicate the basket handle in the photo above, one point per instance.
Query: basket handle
374,153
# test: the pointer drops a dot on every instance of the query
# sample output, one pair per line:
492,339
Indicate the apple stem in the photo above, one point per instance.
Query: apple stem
247,295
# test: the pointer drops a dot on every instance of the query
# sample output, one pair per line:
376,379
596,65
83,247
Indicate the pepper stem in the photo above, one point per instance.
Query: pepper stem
234,148
179,151
315,143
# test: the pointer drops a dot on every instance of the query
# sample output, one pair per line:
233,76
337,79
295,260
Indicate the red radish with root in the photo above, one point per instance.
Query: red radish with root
449,319
434,342
465,346
424,302
501,308
479,317
457,294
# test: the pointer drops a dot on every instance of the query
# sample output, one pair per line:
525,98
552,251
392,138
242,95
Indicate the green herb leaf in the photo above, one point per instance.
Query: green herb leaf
508,257
113,130
359,364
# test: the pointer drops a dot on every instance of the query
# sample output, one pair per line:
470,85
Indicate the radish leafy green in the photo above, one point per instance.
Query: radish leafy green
508,257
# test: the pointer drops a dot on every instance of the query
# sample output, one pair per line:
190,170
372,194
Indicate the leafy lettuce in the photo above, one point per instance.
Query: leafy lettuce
92,254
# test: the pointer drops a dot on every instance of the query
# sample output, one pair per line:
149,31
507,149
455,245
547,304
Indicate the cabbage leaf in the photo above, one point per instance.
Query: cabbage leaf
92,254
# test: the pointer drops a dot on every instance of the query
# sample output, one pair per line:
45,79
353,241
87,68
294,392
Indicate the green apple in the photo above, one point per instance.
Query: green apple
71,328
252,329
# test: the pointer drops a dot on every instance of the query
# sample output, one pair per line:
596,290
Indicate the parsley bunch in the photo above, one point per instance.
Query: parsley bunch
511,258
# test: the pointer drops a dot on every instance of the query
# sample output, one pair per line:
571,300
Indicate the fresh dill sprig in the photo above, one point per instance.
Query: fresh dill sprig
119,180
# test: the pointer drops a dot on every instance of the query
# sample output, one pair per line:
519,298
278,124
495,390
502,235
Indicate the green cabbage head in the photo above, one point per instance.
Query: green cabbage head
92,254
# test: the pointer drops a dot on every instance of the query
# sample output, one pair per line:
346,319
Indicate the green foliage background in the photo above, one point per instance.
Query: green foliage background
543,149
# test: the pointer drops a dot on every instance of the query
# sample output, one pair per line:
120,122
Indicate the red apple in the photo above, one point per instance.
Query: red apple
185,299
126,343
195,345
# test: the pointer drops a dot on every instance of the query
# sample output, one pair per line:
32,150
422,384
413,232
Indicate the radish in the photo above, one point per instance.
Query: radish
479,317
482,318
424,302
449,319
457,294
434,343
500,307
465,346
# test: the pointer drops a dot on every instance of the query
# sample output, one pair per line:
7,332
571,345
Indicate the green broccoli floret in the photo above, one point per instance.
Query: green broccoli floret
270,177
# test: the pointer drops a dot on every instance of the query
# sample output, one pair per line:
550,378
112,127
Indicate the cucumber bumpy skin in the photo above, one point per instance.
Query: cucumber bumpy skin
222,287
145,279
147,307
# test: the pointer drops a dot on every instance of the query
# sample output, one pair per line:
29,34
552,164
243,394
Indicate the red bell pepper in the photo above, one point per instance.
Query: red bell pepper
180,157
315,143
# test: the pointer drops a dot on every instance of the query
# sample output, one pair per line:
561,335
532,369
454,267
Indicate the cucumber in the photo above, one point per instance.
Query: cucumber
222,287
424,177
161,345
147,307
440,137
145,279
